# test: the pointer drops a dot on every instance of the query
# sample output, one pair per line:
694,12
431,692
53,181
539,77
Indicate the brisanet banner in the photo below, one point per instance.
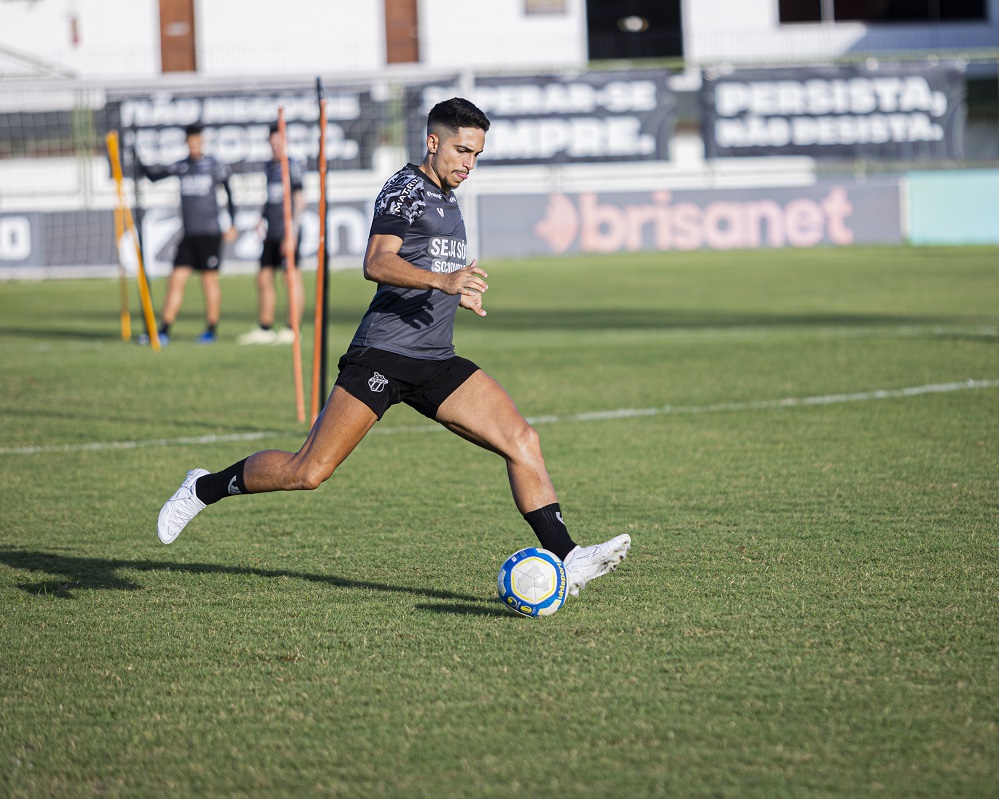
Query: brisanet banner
559,119
237,126
891,111
828,213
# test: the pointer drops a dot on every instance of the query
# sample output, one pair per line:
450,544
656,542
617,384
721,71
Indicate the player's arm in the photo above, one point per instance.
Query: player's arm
383,264
155,173
298,205
230,234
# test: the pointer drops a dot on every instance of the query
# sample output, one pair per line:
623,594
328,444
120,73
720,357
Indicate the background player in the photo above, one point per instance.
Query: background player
277,242
200,248
403,352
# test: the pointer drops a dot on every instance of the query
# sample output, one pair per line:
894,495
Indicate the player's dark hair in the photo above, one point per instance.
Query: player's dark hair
194,130
456,113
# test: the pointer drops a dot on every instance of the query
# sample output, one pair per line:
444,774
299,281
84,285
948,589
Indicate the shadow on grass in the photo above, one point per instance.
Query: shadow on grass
73,573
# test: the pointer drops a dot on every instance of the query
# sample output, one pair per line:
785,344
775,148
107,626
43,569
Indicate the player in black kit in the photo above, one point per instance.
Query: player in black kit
201,246
403,352
276,244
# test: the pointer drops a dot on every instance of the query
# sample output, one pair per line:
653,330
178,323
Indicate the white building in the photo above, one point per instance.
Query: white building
143,39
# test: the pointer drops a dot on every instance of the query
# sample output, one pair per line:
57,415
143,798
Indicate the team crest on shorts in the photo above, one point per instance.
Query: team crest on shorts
377,382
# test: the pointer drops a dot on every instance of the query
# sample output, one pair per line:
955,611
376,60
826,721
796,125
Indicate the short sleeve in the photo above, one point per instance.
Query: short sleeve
398,206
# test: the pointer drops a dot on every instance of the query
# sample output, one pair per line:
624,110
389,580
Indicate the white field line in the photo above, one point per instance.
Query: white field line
592,416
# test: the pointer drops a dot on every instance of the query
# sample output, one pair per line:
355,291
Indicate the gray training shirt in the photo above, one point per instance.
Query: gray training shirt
273,211
418,323
199,182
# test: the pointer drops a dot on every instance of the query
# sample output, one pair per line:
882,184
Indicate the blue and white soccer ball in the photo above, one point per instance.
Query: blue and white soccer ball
532,582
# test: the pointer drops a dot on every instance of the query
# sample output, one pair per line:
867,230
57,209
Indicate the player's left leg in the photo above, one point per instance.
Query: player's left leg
482,412
213,303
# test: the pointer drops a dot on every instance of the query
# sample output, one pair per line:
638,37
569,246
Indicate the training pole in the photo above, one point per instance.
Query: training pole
289,272
322,282
126,317
114,156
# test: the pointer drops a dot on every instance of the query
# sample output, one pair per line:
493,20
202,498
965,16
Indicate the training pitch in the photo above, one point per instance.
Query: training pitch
803,446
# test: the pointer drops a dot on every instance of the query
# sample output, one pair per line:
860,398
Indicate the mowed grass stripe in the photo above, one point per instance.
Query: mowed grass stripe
592,416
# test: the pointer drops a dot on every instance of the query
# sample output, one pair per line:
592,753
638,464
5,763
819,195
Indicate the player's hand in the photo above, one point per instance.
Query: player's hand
472,301
231,234
466,281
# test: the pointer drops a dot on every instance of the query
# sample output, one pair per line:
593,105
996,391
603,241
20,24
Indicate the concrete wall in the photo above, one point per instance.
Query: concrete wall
107,39
748,31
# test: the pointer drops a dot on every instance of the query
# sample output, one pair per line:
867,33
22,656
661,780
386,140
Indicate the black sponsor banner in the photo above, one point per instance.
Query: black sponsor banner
891,111
828,213
237,126
590,117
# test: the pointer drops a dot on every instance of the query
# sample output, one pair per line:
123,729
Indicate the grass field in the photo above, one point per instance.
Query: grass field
810,608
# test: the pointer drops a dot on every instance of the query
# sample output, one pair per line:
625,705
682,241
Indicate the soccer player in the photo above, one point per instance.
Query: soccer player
200,248
403,352
277,244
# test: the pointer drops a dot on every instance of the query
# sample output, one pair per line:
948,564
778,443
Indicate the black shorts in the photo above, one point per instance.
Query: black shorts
201,253
382,379
272,254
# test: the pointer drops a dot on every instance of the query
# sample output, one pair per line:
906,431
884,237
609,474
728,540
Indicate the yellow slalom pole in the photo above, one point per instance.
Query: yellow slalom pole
289,274
147,303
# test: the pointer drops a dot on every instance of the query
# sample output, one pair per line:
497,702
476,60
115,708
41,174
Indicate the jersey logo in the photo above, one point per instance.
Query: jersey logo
441,212
377,383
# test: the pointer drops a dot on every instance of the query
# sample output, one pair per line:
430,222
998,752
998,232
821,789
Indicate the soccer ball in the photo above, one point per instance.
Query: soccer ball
532,582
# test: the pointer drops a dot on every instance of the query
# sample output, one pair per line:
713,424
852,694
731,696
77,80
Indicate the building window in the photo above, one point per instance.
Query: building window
888,11
634,29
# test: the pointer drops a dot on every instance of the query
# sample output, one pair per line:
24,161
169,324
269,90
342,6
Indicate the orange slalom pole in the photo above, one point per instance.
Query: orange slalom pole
147,303
289,273
317,350
126,317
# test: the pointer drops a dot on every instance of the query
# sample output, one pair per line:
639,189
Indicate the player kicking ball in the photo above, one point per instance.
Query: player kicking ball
403,351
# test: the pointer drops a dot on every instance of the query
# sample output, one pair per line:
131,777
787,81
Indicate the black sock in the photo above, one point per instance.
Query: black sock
212,487
165,329
210,329
550,529
265,327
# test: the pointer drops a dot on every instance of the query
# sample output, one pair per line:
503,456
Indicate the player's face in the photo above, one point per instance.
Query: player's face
194,145
276,147
453,155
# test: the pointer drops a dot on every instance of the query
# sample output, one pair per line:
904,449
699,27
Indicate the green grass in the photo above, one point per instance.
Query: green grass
809,610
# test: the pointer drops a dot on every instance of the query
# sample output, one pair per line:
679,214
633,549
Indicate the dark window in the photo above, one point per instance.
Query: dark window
963,9
800,10
634,29
928,11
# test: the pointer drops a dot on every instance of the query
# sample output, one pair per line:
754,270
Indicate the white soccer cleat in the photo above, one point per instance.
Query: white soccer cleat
183,506
285,336
587,563
258,336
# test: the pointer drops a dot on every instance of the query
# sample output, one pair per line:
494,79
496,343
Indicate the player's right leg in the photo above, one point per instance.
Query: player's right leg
340,427
176,285
264,332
